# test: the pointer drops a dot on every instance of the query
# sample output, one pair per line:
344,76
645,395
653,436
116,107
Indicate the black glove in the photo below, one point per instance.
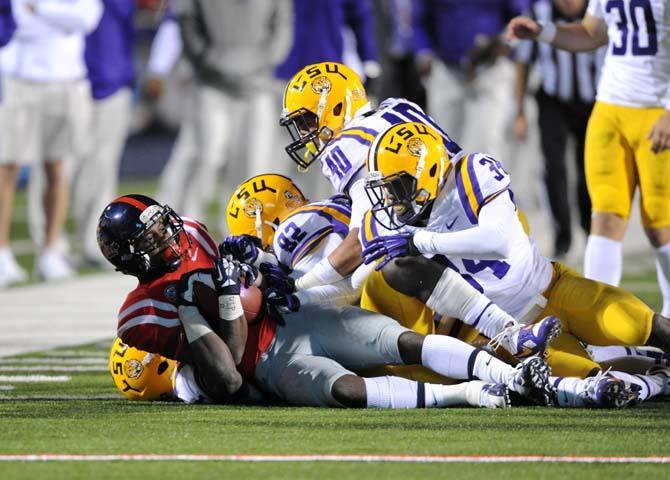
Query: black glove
226,276
277,277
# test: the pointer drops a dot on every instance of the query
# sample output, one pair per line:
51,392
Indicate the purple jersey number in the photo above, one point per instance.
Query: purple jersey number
644,41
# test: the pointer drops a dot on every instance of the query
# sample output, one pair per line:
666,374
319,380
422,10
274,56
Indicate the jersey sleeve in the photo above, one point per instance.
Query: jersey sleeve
595,9
301,232
345,155
201,235
479,179
370,229
152,326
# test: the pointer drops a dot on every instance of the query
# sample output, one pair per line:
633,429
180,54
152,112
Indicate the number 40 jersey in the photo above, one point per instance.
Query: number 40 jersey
636,72
344,157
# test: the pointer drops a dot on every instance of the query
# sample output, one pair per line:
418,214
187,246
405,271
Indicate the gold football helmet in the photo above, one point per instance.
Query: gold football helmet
260,204
318,101
141,375
407,166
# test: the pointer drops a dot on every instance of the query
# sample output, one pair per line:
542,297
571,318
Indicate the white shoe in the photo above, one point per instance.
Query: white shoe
661,375
51,265
10,271
494,395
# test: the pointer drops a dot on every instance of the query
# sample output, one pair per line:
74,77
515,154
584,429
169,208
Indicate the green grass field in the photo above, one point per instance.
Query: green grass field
82,414
85,415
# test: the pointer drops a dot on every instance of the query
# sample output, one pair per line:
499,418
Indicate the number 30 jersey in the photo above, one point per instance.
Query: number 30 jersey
636,72
511,282
311,232
345,155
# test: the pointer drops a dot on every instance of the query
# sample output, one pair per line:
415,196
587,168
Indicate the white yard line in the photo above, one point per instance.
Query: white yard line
335,458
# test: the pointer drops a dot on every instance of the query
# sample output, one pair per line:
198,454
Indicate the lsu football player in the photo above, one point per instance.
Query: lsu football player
628,136
327,114
461,212
271,222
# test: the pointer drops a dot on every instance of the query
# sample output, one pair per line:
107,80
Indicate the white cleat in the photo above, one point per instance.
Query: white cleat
527,340
10,271
494,395
53,266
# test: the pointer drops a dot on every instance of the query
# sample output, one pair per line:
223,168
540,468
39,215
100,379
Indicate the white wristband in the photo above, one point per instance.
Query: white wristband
548,32
322,273
230,307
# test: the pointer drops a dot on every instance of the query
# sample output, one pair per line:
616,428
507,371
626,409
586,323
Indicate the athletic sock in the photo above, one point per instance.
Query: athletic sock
651,385
663,274
448,356
453,296
396,392
602,260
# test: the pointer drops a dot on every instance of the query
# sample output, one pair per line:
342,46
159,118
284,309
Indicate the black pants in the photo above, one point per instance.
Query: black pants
558,119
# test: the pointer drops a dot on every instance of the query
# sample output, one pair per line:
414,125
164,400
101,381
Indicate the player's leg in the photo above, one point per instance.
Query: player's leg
447,293
600,314
553,136
611,182
654,178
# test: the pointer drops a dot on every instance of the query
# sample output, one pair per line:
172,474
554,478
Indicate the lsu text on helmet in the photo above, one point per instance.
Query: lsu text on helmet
141,375
318,102
141,237
260,204
407,166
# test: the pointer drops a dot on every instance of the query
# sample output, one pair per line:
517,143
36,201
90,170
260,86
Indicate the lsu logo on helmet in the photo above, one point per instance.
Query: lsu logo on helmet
318,101
260,204
407,165
141,375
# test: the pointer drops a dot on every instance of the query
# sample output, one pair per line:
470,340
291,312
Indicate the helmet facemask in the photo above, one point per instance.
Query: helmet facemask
397,201
308,139
157,242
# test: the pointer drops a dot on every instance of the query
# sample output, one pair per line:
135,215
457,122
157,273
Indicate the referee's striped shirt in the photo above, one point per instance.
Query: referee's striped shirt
571,77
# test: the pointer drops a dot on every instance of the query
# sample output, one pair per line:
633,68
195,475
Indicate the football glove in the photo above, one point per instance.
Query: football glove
389,247
244,248
279,302
277,277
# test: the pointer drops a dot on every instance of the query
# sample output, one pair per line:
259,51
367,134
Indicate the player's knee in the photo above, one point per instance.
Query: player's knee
658,237
610,225
410,345
349,391
412,275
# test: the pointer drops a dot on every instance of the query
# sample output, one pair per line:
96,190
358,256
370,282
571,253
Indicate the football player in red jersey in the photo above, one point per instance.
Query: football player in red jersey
311,359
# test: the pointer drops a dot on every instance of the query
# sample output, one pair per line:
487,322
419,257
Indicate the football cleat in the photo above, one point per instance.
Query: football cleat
661,376
531,380
494,395
524,341
606,391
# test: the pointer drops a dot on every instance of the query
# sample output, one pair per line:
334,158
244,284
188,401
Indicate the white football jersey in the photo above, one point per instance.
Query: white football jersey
636,72
345,155
311,232
511,283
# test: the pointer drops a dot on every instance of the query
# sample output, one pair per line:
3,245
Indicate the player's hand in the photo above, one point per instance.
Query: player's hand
244,248
660,134
277,277
226,276
522,28
520,127
389,247
279,302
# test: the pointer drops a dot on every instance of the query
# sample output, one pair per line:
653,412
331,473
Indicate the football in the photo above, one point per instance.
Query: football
208,302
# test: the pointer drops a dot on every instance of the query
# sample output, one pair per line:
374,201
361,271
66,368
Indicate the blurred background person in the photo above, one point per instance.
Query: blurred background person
468,76
339,31
565,98
233,48
48,101
109,59
10,271
395,36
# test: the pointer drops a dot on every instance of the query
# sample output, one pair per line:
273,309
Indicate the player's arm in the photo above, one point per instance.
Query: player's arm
490,239
586,36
